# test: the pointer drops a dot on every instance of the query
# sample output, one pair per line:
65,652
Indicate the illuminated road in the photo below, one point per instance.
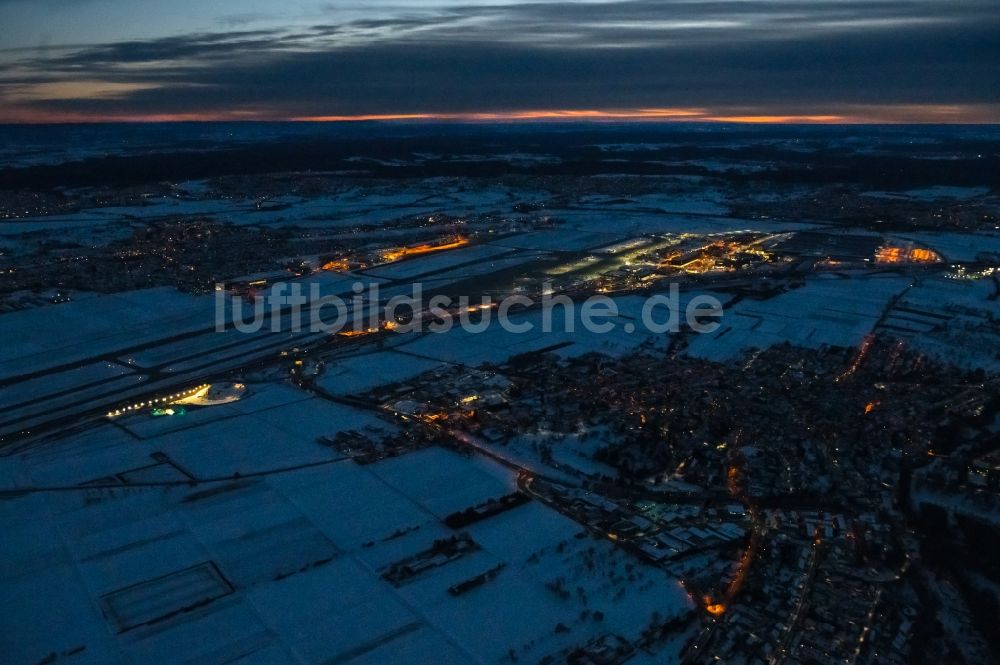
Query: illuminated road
785,644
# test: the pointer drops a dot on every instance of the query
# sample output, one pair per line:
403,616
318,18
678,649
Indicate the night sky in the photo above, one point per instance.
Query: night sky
756,60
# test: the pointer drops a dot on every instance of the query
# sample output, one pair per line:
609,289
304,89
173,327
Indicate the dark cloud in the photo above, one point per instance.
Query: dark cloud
759,53
169,49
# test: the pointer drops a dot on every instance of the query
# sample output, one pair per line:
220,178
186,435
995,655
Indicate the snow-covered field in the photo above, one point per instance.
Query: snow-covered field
361,373
276,554
935,193
235,533
38,338
563,240
528,333
953,321
38,388
423,265
826,311
627,222
957,246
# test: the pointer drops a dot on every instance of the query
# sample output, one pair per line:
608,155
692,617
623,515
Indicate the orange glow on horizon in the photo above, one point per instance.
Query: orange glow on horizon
367,118
780,119
592,114
514,116
678,114
851,114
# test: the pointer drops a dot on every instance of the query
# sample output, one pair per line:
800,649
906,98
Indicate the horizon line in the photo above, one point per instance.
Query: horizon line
873,115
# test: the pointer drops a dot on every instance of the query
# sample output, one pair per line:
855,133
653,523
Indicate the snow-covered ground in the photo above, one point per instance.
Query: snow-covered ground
235,536
951,320
233,533
35,339
627,222
423,265
826,311
957,246
361,373
495,344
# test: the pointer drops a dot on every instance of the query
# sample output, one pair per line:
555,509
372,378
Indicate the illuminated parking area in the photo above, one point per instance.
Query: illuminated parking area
205,394
157,401
214,394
